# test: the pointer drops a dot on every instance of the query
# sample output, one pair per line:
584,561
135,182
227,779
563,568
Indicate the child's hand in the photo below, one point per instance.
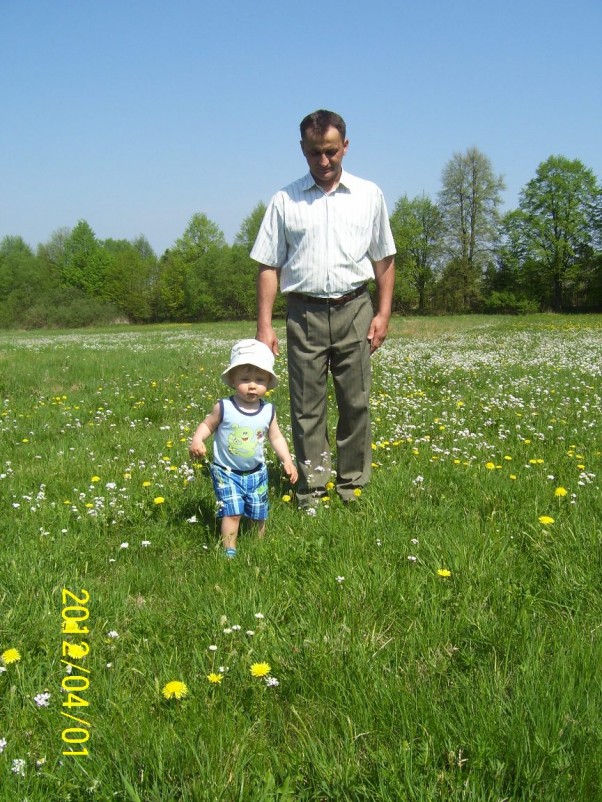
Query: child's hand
290,470
198,449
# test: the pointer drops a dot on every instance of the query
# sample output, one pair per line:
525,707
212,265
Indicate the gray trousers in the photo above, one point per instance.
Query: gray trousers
323,339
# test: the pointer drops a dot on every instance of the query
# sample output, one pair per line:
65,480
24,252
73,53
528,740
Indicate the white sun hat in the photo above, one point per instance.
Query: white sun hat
251,352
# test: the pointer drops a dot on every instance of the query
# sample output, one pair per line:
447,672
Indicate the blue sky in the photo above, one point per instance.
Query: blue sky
136,114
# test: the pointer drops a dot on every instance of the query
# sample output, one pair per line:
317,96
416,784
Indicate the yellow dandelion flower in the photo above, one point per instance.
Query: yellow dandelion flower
357,492
444,572
513,476
175,690
127,475
76,651
70,626
545,519
215,678
286,498
490,466
146,483
260,669
95,479
329,485
560,492
11,656
159,500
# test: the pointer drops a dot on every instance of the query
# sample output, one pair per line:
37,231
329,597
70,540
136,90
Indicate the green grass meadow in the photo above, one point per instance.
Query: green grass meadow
441,639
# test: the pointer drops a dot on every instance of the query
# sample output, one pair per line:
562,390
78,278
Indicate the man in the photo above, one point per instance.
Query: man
327,235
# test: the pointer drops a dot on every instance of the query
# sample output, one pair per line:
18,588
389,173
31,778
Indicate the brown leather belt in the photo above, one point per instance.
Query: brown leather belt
343,299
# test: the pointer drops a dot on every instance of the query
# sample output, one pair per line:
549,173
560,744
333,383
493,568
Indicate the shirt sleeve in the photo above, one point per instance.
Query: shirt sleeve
382,243
270,246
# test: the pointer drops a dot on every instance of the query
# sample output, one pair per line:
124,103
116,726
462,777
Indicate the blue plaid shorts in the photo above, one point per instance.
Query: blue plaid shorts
241,493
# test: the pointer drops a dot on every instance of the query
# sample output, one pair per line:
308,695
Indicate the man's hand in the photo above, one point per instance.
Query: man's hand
384,273
268,336
377,333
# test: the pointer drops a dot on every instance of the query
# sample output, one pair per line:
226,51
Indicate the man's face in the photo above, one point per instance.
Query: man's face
324,155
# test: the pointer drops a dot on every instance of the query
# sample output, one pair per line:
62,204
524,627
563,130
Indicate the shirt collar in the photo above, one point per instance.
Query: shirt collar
345,182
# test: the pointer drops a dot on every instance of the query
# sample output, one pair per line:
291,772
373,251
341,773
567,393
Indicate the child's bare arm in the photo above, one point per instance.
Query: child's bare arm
205,429
278,443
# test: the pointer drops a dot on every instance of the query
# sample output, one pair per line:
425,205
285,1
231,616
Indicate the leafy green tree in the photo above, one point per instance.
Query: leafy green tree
23,280
417,227
249,228
84,263
187,273
243,270
236,288
201,234
171,294
51,254
558,231
129,277
469,200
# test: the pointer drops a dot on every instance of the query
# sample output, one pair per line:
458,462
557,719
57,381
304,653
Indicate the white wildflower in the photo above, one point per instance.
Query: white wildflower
18,766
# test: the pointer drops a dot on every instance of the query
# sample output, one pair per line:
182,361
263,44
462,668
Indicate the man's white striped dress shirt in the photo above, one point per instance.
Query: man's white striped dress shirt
324,243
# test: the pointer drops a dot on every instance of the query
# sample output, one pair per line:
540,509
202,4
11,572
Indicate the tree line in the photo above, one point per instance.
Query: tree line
455,254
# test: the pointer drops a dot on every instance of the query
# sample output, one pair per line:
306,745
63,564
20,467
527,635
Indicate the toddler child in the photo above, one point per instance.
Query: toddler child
240,425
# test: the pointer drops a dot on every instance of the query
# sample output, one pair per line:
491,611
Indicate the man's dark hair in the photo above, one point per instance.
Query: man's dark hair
320,121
